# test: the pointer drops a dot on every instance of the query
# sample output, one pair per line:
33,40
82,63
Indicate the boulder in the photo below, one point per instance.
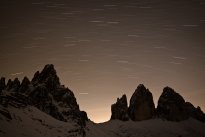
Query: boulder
141,104
119,109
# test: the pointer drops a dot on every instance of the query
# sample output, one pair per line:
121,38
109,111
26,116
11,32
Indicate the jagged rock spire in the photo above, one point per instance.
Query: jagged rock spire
119,109
13,85
45,93
193,112
141,104
2,83
48,76
9,84
171,106
16,84
35,77
24,85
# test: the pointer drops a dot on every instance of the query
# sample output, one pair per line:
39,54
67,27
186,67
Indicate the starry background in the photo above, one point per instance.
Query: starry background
102,49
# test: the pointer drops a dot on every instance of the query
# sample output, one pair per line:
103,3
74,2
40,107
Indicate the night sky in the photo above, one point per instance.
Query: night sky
102,49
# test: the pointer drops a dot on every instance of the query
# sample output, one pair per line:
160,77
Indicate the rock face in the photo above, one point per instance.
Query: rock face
119,109
2,84
24,87
47,76
44,92
193,112
141,104
16,84
171,106
47,89
9,84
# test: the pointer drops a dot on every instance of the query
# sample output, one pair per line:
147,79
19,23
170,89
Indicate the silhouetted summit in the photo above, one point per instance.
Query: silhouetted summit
2,83
45,93
24,88
171,106
141,104
119,109
48,76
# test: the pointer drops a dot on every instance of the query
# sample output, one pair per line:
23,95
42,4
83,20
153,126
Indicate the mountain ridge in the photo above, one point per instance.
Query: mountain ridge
45,93
171,106
44,99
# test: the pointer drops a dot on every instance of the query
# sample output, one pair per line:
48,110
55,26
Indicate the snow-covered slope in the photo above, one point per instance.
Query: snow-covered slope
31,122
147,128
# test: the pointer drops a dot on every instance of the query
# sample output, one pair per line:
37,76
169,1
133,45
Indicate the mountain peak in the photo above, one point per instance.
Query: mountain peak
141,90
48,76
172,95
119,109
49,69
141,104
171,106
2,83
45,93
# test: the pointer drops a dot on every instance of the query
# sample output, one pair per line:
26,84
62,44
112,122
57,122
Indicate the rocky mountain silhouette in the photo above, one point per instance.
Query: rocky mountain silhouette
171,106
120,109
45,107
44,92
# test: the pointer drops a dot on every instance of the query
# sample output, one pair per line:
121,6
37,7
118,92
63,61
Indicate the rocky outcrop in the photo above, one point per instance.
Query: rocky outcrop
66,97
119,109
39,96
193,112
16,84
2,84
47,90
24,88
141,104
35,78
171,106
13,85
48,76
44,92
9,84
